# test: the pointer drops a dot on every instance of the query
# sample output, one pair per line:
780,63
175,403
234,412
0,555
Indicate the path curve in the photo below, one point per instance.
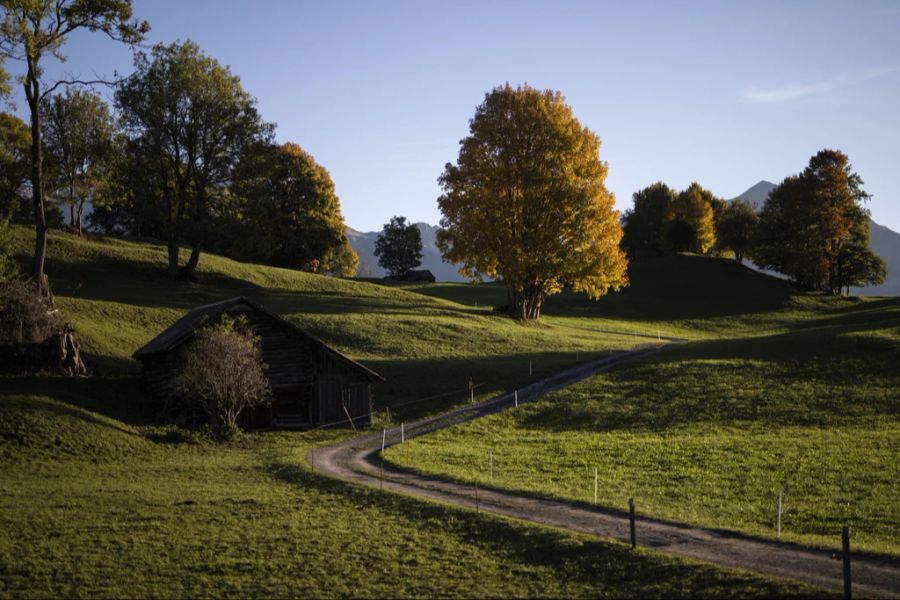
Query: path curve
357,460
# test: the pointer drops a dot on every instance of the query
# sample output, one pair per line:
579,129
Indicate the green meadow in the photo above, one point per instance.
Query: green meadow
100,499
799,398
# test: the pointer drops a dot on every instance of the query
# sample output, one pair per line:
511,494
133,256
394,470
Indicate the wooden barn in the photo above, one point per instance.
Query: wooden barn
312,384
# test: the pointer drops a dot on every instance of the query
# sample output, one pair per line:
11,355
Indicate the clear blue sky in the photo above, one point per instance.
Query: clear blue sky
724,93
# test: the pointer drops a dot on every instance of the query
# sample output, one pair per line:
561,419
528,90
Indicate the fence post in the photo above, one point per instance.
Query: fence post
516,395
402,434
383,437
631,519
845,542
780,493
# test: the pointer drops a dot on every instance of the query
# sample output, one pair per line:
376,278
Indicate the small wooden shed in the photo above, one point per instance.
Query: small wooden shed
312,384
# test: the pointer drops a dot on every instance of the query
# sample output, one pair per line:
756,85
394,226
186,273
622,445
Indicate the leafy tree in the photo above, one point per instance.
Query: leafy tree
288,212
690,221
222,371
736,228
15,145
643,223
188,120
526,202
79,133
29,31
814,228
399,247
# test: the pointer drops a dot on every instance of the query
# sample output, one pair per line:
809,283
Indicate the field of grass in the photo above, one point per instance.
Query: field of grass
97,499
708,432
93,506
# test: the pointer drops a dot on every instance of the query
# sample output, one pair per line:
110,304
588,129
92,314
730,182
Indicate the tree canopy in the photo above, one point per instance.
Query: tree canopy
31,29
690,221
79,137
399,247
15,145
736,228
814,228
643,222
289,214
188,120
526,201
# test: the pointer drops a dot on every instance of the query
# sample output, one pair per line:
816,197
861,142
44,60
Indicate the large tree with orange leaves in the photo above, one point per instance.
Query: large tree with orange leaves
526,202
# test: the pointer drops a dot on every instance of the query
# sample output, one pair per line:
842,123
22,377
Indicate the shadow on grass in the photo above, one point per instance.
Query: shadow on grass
612,567
805,378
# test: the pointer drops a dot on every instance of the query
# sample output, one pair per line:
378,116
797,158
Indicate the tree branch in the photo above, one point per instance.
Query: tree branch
67,82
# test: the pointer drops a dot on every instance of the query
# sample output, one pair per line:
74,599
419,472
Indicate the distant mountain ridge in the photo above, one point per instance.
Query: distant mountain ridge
364,244
883,241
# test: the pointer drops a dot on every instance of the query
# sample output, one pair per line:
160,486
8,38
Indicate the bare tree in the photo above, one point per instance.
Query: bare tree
221,371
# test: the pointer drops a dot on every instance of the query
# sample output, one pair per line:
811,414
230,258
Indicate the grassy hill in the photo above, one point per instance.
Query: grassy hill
799,397
99,499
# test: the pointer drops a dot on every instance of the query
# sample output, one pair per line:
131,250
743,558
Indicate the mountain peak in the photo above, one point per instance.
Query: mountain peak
757,194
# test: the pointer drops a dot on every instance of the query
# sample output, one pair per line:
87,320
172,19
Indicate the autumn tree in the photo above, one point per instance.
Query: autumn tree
814,228
690,221
30,30
526,202
399,247
222,371
79,133
643,222
289,214
188,120
736,228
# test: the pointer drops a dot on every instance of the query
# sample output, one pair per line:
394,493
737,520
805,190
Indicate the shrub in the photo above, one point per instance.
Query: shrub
25,315
221,371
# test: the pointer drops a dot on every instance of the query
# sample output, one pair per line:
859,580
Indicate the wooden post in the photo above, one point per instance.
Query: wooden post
347,412
845,542
383,437
516,396
780,493
596,485
402,434
631,519
491,461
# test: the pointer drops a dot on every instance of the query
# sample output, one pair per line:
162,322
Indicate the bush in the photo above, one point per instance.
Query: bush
25,315
221,371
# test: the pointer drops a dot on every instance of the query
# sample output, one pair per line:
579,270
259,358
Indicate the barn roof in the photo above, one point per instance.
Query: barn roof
183,330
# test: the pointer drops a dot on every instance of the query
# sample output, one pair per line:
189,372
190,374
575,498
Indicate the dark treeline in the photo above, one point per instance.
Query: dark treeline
813,226
182,155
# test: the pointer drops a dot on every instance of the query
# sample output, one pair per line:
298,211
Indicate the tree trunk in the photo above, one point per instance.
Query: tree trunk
79,213
172,248
528,304
32,95
189,270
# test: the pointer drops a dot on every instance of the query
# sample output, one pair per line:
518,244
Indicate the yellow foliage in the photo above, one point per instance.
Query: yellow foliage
693,206
526,201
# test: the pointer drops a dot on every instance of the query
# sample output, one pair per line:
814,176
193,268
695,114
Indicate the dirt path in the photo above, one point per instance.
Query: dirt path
357,460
